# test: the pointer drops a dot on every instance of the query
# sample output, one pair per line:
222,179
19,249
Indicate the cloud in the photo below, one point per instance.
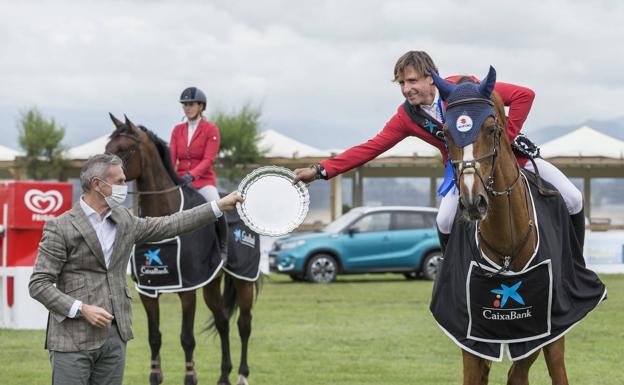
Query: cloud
320,70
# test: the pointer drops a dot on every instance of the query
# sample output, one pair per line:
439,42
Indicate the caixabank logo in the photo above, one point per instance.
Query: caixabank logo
43,204
241,236
153,263
505,297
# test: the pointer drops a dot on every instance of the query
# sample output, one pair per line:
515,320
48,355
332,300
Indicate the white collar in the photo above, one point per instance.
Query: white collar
88,210
193,123
435,101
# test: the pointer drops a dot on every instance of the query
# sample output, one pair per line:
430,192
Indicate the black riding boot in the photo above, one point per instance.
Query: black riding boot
578,222
443,240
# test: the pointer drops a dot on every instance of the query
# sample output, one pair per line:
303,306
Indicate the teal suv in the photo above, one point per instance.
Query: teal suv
397,239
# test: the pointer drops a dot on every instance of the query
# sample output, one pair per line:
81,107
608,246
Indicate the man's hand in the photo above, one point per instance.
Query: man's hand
306,175
229,201
96,316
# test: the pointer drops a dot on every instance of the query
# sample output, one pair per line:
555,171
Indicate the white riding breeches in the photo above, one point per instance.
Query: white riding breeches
210,193
447,210
572,197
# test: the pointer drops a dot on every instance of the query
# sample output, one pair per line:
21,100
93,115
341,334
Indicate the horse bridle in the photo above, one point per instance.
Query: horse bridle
472,167
127,154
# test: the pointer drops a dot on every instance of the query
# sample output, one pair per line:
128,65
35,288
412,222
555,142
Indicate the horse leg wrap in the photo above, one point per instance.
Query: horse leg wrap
156,375
190,377
242,380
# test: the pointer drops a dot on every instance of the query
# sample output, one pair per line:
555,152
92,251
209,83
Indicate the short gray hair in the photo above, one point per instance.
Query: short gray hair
97,167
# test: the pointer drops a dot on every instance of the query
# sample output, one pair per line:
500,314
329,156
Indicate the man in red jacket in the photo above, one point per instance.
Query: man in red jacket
422,115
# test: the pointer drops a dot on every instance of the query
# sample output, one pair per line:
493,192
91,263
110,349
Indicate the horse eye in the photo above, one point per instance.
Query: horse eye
491,130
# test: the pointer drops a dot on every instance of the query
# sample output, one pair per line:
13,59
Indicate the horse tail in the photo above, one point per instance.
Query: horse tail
229,293
229,299
229,303
229,296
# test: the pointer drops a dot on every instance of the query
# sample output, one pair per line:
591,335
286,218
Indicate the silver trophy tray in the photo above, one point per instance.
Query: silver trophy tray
273,205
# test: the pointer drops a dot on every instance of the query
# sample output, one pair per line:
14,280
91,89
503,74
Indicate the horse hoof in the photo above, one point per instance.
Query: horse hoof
156,378
190,380
242,380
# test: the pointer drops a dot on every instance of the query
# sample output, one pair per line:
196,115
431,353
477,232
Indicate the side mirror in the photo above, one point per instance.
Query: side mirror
353,230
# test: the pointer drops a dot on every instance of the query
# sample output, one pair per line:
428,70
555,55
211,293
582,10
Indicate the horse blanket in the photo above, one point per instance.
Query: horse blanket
517,312
186,262
243,256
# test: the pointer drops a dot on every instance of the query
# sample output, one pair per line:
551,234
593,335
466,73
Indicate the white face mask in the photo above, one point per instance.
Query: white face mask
118,197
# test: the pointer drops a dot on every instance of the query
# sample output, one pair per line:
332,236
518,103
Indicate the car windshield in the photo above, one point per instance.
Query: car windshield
342,221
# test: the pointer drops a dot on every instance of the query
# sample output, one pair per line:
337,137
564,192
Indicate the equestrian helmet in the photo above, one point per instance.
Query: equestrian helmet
193,94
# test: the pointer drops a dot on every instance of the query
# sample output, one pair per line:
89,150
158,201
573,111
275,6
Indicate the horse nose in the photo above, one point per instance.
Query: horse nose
482,204
475,206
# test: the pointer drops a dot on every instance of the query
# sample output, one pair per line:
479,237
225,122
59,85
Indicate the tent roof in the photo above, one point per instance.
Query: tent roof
7,153
411,147
282,146
84,151
586,142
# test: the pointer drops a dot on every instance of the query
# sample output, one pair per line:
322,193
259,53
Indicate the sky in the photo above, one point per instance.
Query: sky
320,71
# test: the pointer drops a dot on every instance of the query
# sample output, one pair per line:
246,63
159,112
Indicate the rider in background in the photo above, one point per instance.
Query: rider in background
194,145
422,115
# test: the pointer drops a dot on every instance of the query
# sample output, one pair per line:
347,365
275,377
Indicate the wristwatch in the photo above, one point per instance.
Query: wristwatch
321,173
79,312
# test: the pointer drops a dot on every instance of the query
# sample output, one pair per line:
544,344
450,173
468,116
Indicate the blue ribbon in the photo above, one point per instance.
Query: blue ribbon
449,179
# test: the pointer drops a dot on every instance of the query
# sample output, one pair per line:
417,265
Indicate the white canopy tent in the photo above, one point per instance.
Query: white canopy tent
84,151
277,145
584,142
411,147
7,153
282,146
588,154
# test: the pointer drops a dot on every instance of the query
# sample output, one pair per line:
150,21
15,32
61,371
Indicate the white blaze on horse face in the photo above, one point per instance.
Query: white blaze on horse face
468,178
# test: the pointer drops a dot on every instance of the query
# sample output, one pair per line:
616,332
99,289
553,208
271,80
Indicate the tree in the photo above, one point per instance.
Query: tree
41,140
239,140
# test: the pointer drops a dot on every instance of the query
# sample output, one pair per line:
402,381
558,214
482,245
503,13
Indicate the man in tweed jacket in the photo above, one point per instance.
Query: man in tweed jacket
80,272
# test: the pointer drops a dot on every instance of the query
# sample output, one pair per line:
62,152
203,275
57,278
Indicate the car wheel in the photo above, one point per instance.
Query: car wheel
431,264
296,277
412,275
322,268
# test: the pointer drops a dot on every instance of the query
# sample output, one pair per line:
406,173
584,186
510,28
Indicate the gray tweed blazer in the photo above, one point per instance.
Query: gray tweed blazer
70,265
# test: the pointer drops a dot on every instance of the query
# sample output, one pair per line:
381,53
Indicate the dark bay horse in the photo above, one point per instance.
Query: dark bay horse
147,160
498,215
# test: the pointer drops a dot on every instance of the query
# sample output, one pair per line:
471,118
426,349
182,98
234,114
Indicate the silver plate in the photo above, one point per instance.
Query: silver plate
273,205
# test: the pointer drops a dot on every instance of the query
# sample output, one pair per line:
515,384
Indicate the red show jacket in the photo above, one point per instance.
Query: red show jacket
198,158
518,99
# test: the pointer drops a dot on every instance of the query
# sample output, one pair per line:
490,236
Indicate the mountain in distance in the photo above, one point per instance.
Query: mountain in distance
611,127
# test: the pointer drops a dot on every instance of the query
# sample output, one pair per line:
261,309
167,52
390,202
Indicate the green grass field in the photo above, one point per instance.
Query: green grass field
360,330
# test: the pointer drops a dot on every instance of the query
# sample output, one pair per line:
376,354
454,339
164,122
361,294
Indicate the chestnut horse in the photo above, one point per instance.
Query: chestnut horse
494,195
147,160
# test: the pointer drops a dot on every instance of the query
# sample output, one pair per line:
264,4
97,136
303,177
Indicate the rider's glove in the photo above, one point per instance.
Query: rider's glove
187,178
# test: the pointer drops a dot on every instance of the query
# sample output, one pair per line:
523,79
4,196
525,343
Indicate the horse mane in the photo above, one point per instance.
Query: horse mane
161,147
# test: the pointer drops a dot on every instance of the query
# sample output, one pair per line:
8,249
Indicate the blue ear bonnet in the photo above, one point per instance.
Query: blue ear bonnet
464,120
